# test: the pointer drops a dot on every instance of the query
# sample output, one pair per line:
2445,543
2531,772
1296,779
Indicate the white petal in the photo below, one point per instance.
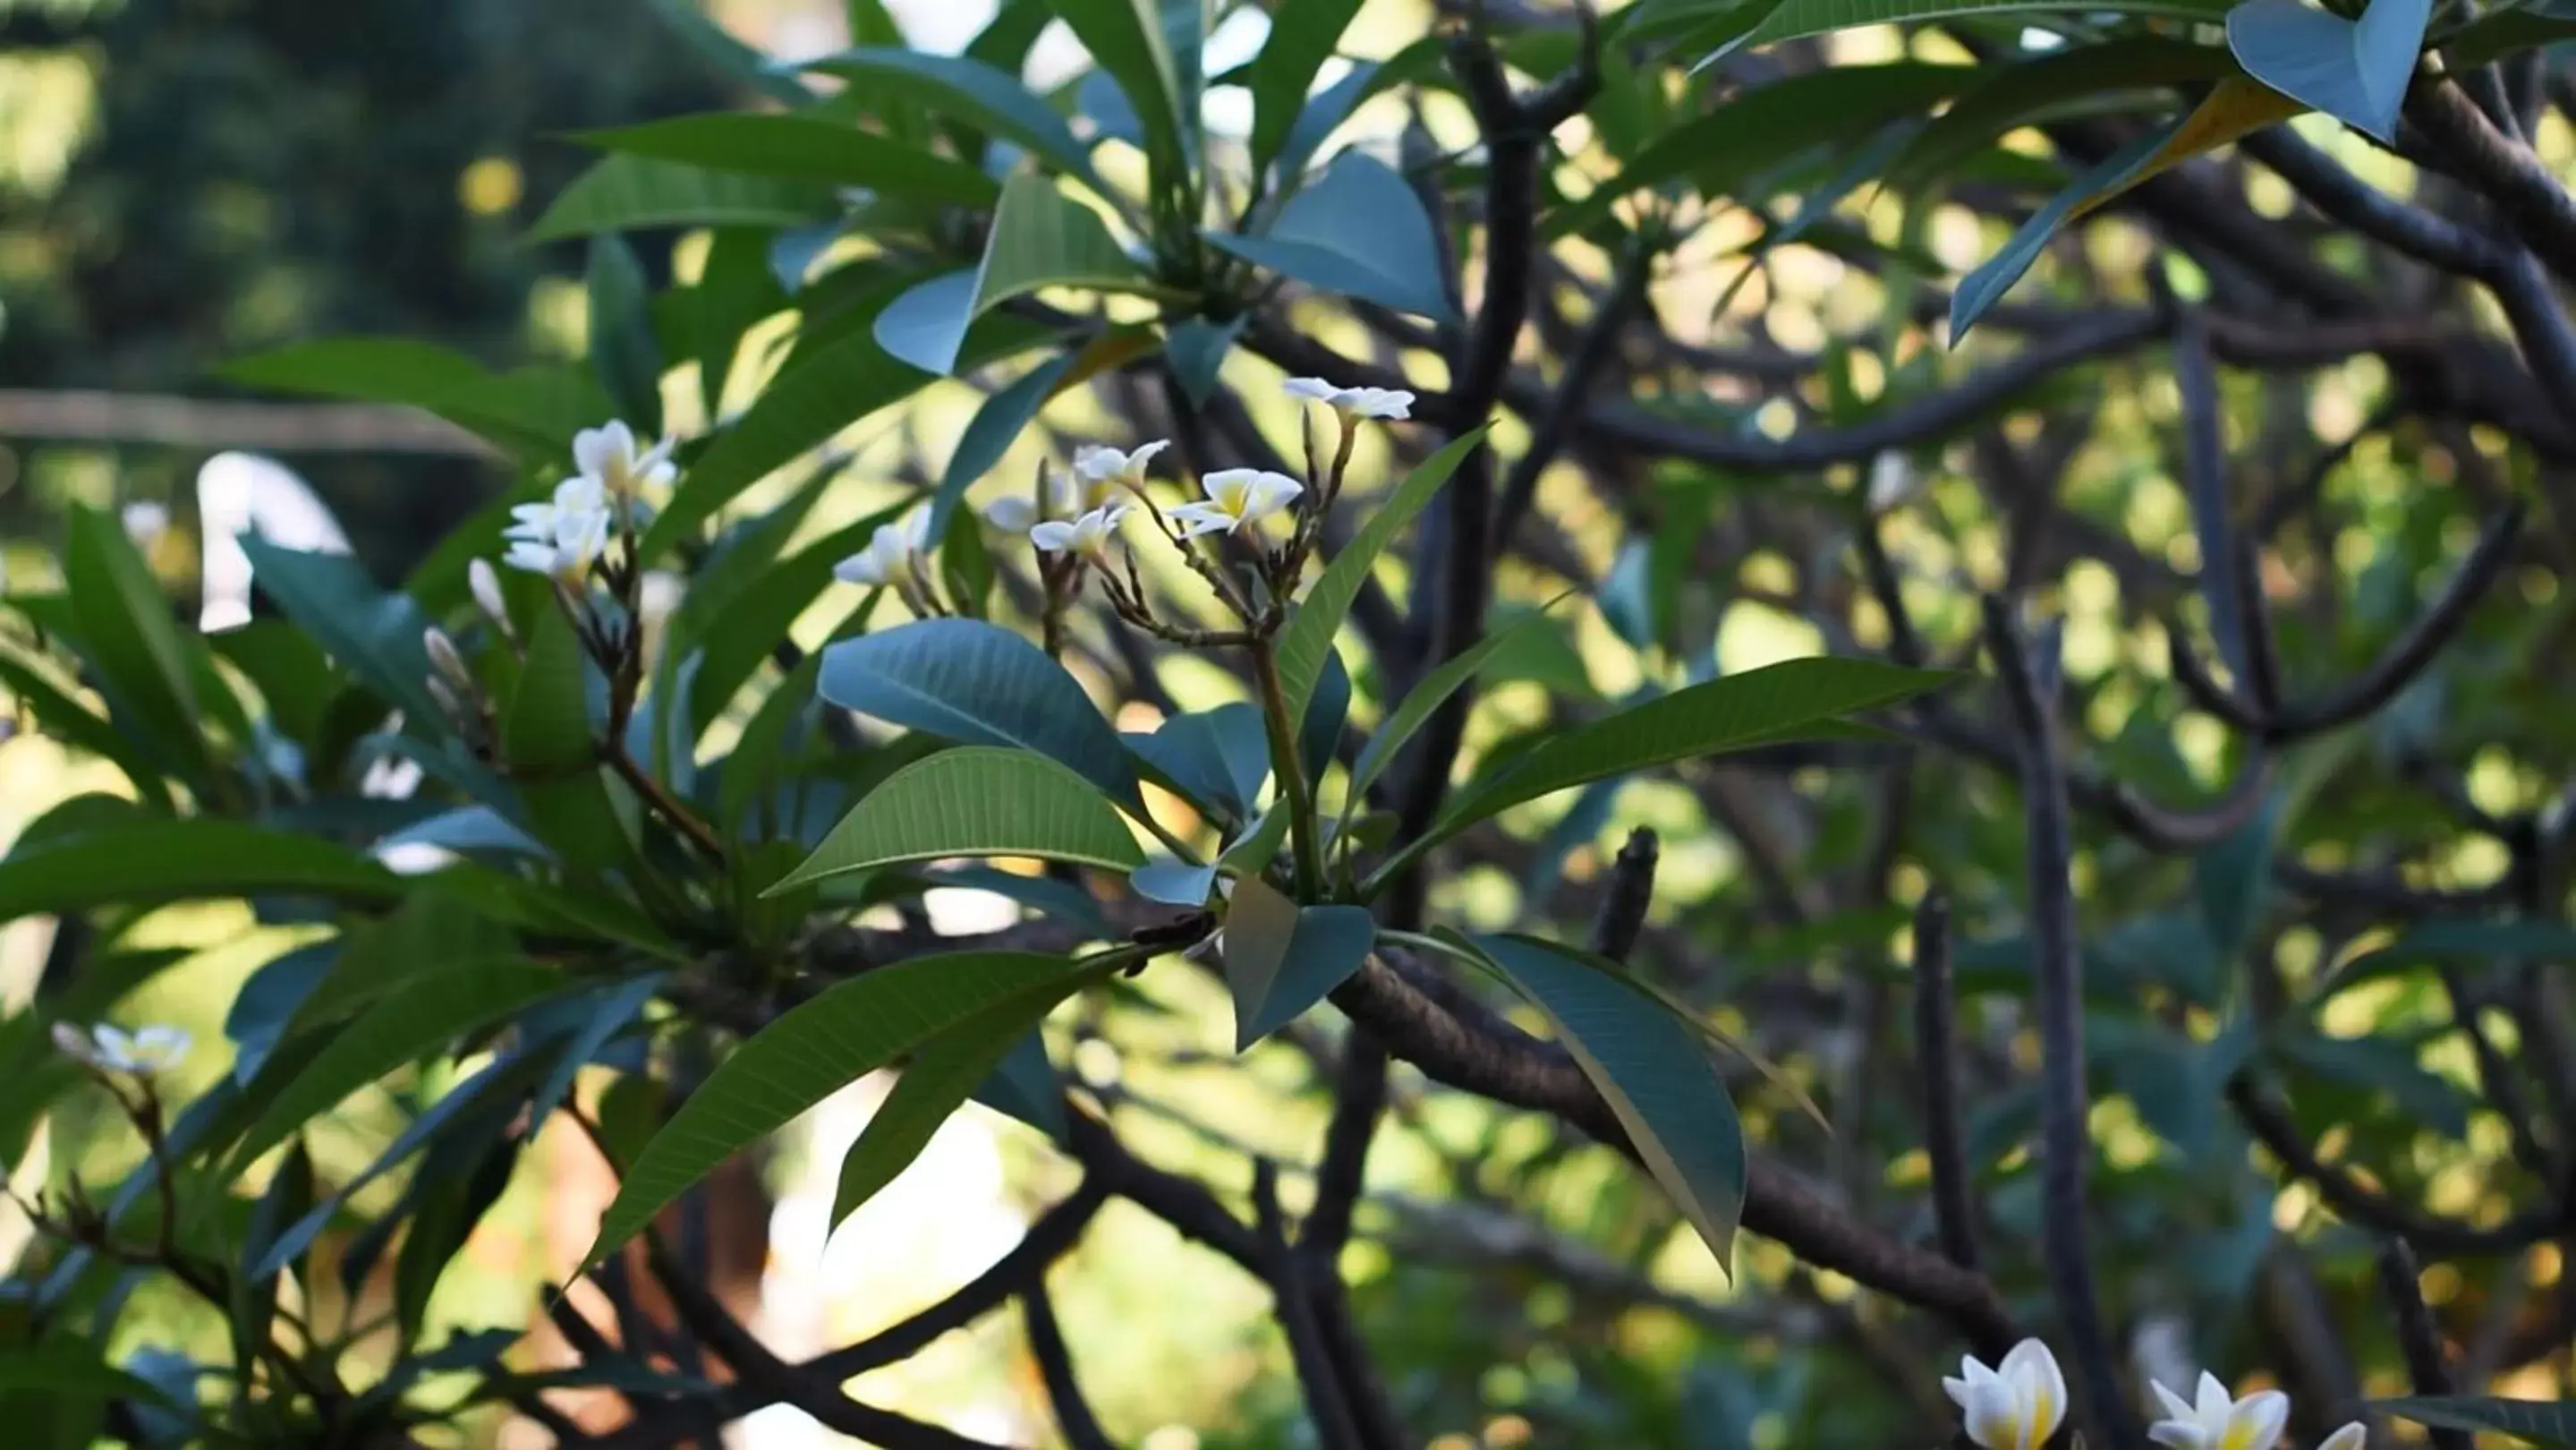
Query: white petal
860,569
2176,1407
594,448
530,555
161,1046
1314,388
2350,1437
1055,536
1991,1418
2213,1404
581,493
1271,492
1956,1389
1012,515
2039,1385
1144,455
73,1043
1381,403
1095,460
1202,518
2255,1422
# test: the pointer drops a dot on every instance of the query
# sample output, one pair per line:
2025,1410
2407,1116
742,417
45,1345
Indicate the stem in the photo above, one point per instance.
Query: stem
663,802
1302,834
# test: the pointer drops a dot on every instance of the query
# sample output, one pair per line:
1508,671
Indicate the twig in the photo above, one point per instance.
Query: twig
1937,1055
1630,890
2417,1335
1055,1365
2066,1145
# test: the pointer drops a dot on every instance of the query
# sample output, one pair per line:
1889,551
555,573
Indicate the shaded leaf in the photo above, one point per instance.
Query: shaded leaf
1174,883
1427,696
1302,36
1357,230
974,91
161,861
1653,1071
1217,758
935,1084
2355,71
2542,1422
1040,238
1995,276
623,350
978,684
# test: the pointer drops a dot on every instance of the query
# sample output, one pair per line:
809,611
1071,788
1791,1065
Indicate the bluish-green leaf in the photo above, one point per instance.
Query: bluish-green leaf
67,1367
1357,230
1309,636
1282,958
1426,697
1653,1070
974,801
628,193
978,684
1025,1086
989,435
819,1046
1173,883
726,55
374,634
803,148
1126,38
2542,1422
1195,350
2355,71
125,622
1218,758
1328,709
2037,87
1039,238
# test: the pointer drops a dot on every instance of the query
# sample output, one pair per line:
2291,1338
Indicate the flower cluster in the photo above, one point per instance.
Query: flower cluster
890,556
562,536
108,1048
2019,1403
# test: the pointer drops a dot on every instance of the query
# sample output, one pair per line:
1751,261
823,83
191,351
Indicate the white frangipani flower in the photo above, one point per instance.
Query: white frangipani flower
2218,1420
561,535
1357,402
1101,465
1067,496
1235,497
2017,1404
888,557
2350,1437
608,454
1088,536
113,1049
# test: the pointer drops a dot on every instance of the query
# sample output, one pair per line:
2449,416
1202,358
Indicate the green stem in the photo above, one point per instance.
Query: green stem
1303,837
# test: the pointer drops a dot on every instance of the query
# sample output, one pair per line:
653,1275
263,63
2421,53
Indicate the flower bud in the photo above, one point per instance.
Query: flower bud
484,582
444,659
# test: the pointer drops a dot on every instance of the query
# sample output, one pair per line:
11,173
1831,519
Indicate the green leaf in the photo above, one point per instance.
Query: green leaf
802,148
1025,1086
74,1370
623,350
974,801
2035,89
1722,150
1302,36
973,91
41,691
734,290
2542,1422
1425,697
2356,71
1282,958
848,1031
401,1027
369,369
814,397
1794,700
1358,230
1308,638
164,861
1995,276
935,1084
1195,349
978,684
1126,38
2455,939
124,620
2230,879
626,193
1040,238
1654,1072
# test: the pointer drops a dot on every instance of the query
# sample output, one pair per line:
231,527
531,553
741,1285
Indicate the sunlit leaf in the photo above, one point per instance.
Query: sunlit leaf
978,684
1357,230
975,801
